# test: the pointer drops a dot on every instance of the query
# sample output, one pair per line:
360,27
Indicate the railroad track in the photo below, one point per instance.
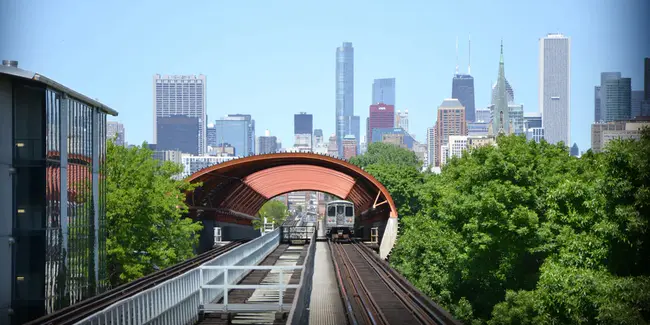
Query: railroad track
374,293
87,307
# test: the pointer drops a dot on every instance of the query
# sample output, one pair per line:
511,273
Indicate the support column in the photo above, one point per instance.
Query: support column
95,144
206,239
64,104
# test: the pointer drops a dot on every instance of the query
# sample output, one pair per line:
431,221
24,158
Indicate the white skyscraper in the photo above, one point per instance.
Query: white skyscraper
402,120
555,87
179,107
431,146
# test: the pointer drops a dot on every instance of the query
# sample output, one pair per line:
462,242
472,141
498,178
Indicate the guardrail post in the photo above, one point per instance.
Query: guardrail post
225,288
281,282
201,287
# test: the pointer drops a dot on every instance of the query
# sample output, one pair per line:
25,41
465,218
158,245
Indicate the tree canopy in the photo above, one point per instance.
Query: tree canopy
144,214
524,233
275,212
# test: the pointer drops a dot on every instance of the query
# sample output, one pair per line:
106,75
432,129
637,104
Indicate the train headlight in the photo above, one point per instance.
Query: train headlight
348,220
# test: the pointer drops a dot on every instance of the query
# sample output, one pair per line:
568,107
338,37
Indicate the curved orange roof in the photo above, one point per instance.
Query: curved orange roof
245,184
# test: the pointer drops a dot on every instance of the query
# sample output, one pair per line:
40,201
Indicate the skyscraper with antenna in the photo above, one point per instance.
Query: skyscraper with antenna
462,87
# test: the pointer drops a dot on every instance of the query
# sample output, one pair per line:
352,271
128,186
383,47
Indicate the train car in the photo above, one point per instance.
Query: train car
339,220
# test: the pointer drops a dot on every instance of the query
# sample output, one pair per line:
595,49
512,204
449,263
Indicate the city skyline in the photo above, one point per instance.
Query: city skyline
423,69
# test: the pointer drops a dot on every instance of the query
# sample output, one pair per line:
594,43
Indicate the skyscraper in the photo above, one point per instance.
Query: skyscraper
636,103
115,130
462,88
646,78
501,115
250,135
344,91
179,113
381,116
234,131
451,121
211,135
555,87
303,123
597,115
615,97
267,143
383,91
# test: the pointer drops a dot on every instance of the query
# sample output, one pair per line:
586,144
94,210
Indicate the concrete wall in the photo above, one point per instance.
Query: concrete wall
6,197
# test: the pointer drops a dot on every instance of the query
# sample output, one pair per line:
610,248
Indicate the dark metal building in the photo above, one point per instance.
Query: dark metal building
52,195
462,88
303,123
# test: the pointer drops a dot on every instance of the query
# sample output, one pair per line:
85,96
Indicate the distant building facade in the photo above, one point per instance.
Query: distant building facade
383,91
451,121
115,130
555,87
381,116
349,146
180,113
344,92
303,123
462,88
402,120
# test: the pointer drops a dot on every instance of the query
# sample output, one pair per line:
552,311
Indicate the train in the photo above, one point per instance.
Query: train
339,220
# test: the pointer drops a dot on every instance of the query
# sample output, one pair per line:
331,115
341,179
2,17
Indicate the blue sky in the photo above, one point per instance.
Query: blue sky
273,59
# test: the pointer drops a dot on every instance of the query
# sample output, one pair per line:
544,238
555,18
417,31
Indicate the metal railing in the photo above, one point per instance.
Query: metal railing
300,309
293,233
177,301
223,288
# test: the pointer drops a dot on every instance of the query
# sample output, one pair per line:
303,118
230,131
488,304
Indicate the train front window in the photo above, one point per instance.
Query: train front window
339,209
348,211
331,211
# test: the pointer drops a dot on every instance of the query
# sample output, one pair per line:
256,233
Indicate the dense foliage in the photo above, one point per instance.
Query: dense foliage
275,212
523,233
144,209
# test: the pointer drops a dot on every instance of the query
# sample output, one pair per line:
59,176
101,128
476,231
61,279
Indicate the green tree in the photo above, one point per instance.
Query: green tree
144,213
523,233
274,210
385,153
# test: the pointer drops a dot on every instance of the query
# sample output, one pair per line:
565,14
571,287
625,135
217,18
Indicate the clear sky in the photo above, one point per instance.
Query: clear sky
273,59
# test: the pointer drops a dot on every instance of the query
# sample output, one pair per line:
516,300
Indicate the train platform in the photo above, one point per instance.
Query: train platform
325,307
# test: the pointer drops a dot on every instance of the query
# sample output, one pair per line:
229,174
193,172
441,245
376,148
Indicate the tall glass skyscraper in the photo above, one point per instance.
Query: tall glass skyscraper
462,88
250,135
344,92
555,87
615,97
383,91
176,97
237,130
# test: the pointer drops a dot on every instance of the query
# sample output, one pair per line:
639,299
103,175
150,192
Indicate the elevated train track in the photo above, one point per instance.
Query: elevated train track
374,293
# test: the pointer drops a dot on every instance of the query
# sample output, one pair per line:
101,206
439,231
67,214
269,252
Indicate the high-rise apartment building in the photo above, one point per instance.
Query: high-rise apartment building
349,146
267,143
451,121
555,87
115,131
383,91
381,116
462,88
180,113
344,92
402,120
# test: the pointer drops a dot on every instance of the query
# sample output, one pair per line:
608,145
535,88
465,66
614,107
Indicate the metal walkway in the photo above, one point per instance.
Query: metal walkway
325,307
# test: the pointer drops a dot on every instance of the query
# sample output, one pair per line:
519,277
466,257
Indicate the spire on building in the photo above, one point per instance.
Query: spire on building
469,56
501,118
456,54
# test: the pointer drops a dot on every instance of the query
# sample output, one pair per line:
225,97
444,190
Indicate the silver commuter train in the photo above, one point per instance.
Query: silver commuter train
339,219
